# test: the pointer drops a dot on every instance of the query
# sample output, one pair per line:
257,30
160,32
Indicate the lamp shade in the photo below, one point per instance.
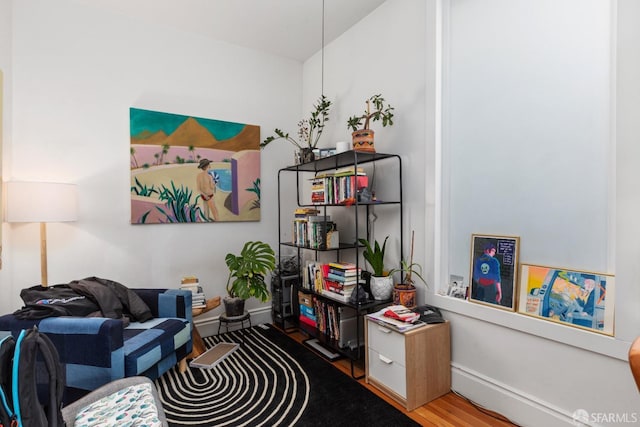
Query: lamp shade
41,202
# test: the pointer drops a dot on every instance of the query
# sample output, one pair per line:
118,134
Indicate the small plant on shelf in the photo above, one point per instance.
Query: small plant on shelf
381,282
374,255
363,136
309,130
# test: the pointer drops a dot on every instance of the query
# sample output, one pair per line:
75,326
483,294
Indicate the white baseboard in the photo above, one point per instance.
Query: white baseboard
520,408
209,326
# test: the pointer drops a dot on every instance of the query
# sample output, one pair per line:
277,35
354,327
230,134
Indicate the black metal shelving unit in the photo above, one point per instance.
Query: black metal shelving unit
360,208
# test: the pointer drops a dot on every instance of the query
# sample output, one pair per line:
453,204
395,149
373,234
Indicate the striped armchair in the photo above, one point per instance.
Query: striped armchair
95,351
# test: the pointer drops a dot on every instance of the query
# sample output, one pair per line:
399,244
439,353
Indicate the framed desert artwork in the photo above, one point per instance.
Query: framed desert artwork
494,270
193,169
571,297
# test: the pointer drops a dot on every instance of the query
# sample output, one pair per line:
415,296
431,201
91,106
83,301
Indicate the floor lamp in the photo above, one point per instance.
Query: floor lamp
41,202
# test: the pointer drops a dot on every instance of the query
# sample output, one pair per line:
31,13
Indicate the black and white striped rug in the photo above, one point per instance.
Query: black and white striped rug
271,380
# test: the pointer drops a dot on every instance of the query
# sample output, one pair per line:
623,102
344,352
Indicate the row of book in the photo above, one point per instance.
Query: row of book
191,283
335,280
314,231
340,187
335,321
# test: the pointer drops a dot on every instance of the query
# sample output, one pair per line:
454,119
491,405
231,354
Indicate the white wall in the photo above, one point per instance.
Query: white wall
5,66
534,372
529,149
385,54
77,71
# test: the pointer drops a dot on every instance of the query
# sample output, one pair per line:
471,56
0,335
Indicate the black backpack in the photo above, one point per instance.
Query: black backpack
23,363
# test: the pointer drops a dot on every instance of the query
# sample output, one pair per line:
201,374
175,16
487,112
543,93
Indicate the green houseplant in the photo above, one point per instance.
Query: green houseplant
404,293
247,272
381,282
309,130
363,136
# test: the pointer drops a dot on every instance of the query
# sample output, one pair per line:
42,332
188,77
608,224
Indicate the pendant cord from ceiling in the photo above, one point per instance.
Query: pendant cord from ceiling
322,53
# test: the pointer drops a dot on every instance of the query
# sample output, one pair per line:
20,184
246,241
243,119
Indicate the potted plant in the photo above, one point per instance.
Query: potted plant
309,131
247,272
404,293
362,134
381,281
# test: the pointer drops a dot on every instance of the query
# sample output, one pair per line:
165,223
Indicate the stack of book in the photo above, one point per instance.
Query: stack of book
191,283
399,325
402,313
340,279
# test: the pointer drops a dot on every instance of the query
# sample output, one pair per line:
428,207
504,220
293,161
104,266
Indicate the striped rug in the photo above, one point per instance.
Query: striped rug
271,380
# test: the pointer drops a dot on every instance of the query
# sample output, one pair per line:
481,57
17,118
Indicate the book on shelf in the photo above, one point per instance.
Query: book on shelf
341,187
307,311
307,321
305,212
315,231
349,170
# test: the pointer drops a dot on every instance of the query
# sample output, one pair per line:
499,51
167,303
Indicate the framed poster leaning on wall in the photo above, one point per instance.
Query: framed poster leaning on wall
575,298
494,270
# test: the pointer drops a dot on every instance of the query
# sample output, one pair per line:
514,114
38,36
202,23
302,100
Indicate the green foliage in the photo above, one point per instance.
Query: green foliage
375,255
143,190
178,200
380,112
409,270
256,190
248,270
309,130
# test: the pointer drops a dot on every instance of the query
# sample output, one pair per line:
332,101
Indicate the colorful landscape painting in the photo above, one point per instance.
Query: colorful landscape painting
174,156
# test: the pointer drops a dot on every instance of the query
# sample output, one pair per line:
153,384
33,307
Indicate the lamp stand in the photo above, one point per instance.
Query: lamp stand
43,254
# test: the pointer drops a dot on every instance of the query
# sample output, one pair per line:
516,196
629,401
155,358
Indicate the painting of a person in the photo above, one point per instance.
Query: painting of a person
207,190
486,276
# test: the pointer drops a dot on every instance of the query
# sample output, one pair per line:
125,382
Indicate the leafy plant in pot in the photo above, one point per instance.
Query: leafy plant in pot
247,272
404,293
309,131
381,281
362,135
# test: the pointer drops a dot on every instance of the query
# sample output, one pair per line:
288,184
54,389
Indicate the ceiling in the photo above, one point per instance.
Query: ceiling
289,28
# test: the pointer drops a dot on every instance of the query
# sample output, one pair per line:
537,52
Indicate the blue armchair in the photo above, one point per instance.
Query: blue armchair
95,351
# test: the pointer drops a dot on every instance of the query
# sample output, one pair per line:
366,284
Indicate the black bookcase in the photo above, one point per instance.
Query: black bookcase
353,225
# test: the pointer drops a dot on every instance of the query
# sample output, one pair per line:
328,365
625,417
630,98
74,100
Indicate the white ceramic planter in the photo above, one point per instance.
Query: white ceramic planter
381,287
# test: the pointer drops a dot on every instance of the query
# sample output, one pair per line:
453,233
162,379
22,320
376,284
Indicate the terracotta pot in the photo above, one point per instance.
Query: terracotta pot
404,295
233,306
363,140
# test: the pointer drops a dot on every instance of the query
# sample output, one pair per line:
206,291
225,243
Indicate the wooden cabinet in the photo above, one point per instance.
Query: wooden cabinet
413,367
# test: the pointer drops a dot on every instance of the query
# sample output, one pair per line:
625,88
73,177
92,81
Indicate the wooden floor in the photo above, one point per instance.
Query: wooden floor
449,410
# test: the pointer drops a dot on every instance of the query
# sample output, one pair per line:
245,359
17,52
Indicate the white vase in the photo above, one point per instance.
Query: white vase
381,287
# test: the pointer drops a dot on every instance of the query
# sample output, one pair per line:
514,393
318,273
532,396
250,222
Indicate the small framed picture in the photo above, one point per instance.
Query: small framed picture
494,270
574,298
457,287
